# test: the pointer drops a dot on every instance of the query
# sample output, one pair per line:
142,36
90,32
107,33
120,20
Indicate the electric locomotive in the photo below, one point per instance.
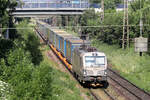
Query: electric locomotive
90,66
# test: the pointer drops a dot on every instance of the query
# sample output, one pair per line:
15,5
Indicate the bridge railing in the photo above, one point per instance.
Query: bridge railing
52,5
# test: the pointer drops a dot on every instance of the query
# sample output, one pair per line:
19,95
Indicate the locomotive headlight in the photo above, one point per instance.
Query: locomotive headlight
105,72
84,72
102,72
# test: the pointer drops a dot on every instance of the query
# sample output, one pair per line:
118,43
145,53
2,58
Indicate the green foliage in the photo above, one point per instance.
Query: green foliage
138,4
110,30
25,76
32,45
128,63
109,4
99,1
27,82
102,30
5,46
4,4
64,88
42,79
139,10
90,19
6,19
31,41
37,83
16,67
16,71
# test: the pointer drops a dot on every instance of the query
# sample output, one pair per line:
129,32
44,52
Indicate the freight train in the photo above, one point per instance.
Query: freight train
88,65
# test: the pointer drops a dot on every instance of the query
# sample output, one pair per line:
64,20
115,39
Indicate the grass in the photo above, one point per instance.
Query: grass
64,88
130,65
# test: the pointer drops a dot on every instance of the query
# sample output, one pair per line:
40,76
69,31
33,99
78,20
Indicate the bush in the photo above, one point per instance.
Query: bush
28,77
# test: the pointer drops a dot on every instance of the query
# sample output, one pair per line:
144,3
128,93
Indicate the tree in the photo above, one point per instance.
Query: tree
21,69
6,8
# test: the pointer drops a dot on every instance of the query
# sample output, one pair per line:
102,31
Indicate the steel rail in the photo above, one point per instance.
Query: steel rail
94,95
131,85
108,95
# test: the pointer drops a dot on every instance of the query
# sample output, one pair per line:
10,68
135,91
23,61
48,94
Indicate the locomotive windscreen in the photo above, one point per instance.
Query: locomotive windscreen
94,61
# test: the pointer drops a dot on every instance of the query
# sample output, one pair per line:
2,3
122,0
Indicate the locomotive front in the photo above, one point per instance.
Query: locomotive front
95,68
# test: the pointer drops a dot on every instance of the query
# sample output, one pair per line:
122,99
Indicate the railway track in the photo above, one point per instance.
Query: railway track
125,84
109,95
128,89
94,95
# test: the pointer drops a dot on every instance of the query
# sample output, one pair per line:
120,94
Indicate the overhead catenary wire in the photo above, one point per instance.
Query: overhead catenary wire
83,26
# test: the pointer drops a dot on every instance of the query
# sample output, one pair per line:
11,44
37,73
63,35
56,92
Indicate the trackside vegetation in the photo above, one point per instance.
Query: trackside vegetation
26,74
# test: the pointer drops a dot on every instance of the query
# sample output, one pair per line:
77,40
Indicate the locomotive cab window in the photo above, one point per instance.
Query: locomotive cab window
94,61
68,2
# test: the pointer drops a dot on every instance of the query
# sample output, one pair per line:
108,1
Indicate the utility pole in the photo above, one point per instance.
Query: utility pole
0,30
102,8
125,36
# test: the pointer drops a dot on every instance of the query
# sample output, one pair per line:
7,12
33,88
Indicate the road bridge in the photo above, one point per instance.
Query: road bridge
30,8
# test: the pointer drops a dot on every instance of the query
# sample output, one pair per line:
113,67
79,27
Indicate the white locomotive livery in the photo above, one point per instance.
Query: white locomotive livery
89,65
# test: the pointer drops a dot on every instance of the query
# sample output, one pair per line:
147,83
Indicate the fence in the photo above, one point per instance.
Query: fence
53,5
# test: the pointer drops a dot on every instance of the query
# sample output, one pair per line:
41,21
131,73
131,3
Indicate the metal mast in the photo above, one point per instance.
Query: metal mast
0,29
102,7
125,36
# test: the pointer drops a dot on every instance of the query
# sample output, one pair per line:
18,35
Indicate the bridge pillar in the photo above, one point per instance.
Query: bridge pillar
54,21
60,21
67,24
76,23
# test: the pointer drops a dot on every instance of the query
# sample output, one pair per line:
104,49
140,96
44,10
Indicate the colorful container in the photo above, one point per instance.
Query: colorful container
63,39
71,44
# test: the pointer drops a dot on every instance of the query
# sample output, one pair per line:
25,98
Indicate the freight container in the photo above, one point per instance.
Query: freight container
43,31
48,35
63,42
71,44
58,35
57,31
47,31
51,37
